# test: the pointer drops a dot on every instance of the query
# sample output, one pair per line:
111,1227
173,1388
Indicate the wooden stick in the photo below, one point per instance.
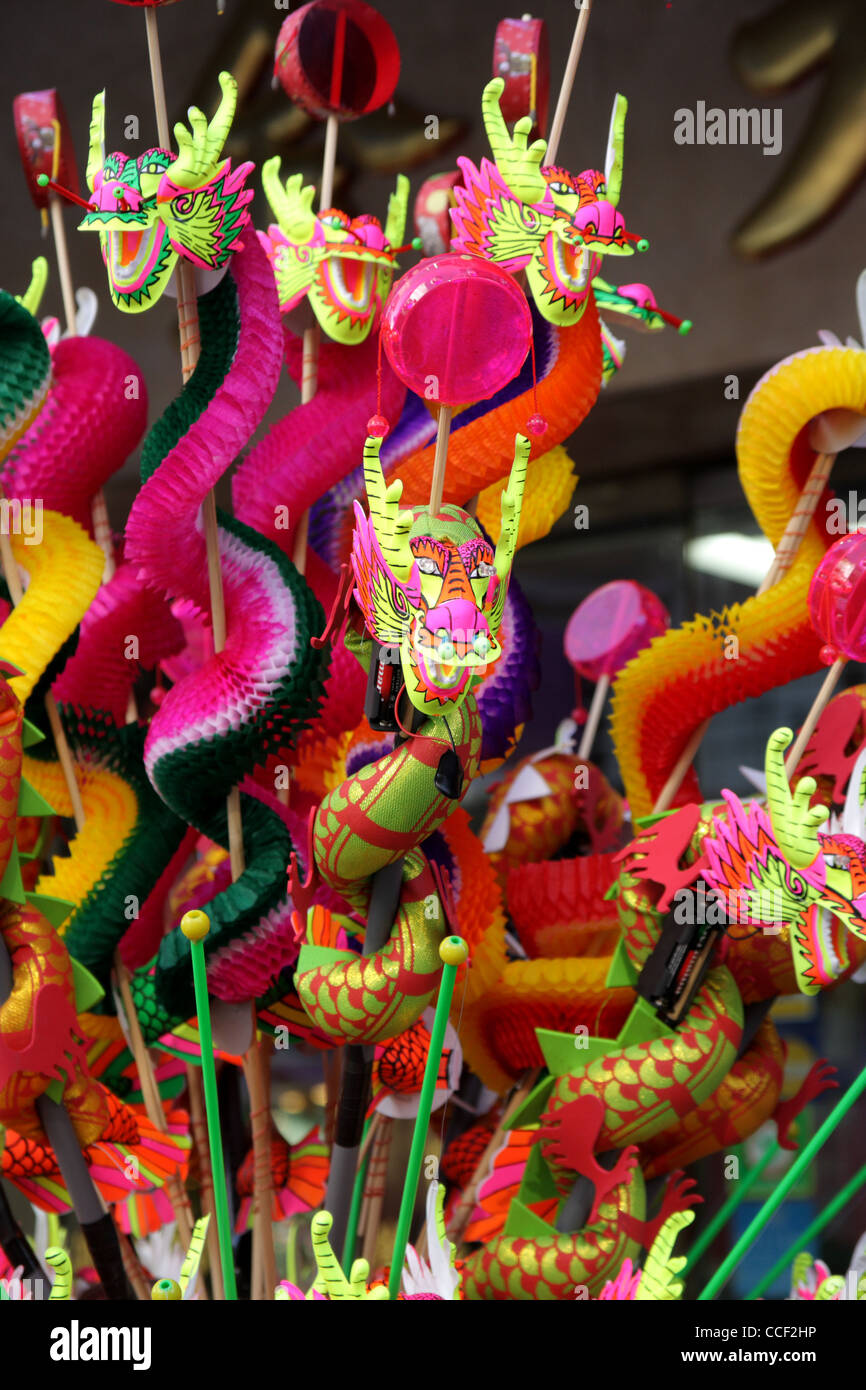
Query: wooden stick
440,458
332,1068
98,509
264,1260
798,524
309,387
67,292
190,350
786,553
374,1188
198,1123
463,1211
132,1267
312,336
65,759
593,718
156,78
329,161
369,1137
584,7
819,703
177,1193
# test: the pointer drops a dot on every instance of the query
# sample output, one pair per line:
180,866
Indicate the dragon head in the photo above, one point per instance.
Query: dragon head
776,868
433,586
150,209
344,265
555,225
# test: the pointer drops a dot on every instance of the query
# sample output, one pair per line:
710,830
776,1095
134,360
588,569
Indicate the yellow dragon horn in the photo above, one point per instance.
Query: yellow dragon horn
96,148
615,147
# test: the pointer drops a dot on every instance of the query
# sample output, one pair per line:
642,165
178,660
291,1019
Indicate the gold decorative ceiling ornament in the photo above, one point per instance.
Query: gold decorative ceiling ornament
770,54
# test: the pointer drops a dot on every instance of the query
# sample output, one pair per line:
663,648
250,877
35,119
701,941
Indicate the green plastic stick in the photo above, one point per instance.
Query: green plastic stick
355,1208
726,1211
821,1220
454,952
195,927
776,1198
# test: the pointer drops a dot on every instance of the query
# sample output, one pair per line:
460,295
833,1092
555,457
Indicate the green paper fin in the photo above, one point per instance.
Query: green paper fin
88,991
522,1222
54,910
31,803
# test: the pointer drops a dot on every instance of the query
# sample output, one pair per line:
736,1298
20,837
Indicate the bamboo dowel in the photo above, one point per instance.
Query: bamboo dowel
463,1211
440,458
820,702
190,350
564,97
329,160
198,1124
369,1137
264,1260
374,1189
132,1267
99,511
156,78
798,524
67,293
593,718
152,1103
312,336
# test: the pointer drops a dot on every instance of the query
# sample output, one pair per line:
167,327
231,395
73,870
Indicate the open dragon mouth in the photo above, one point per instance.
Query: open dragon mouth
571,267
350,278
445,668
440,676
136,251
819,949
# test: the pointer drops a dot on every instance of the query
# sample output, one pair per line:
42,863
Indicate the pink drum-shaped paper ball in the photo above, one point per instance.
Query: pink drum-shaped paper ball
611,626
456,329
837,599
337,58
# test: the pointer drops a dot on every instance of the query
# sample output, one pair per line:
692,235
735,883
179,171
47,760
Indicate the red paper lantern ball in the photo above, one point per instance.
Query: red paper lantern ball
337,58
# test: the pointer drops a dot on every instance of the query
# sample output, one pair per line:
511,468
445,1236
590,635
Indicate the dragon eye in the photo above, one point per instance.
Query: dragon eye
560,188
483,570
590,229
428,566
601,188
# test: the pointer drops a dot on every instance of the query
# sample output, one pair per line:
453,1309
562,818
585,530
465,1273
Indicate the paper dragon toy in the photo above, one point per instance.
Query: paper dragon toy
344,265
153,208
554,225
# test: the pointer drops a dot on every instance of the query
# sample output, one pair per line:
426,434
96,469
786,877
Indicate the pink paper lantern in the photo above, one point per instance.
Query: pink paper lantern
837,599
611,626
456,329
